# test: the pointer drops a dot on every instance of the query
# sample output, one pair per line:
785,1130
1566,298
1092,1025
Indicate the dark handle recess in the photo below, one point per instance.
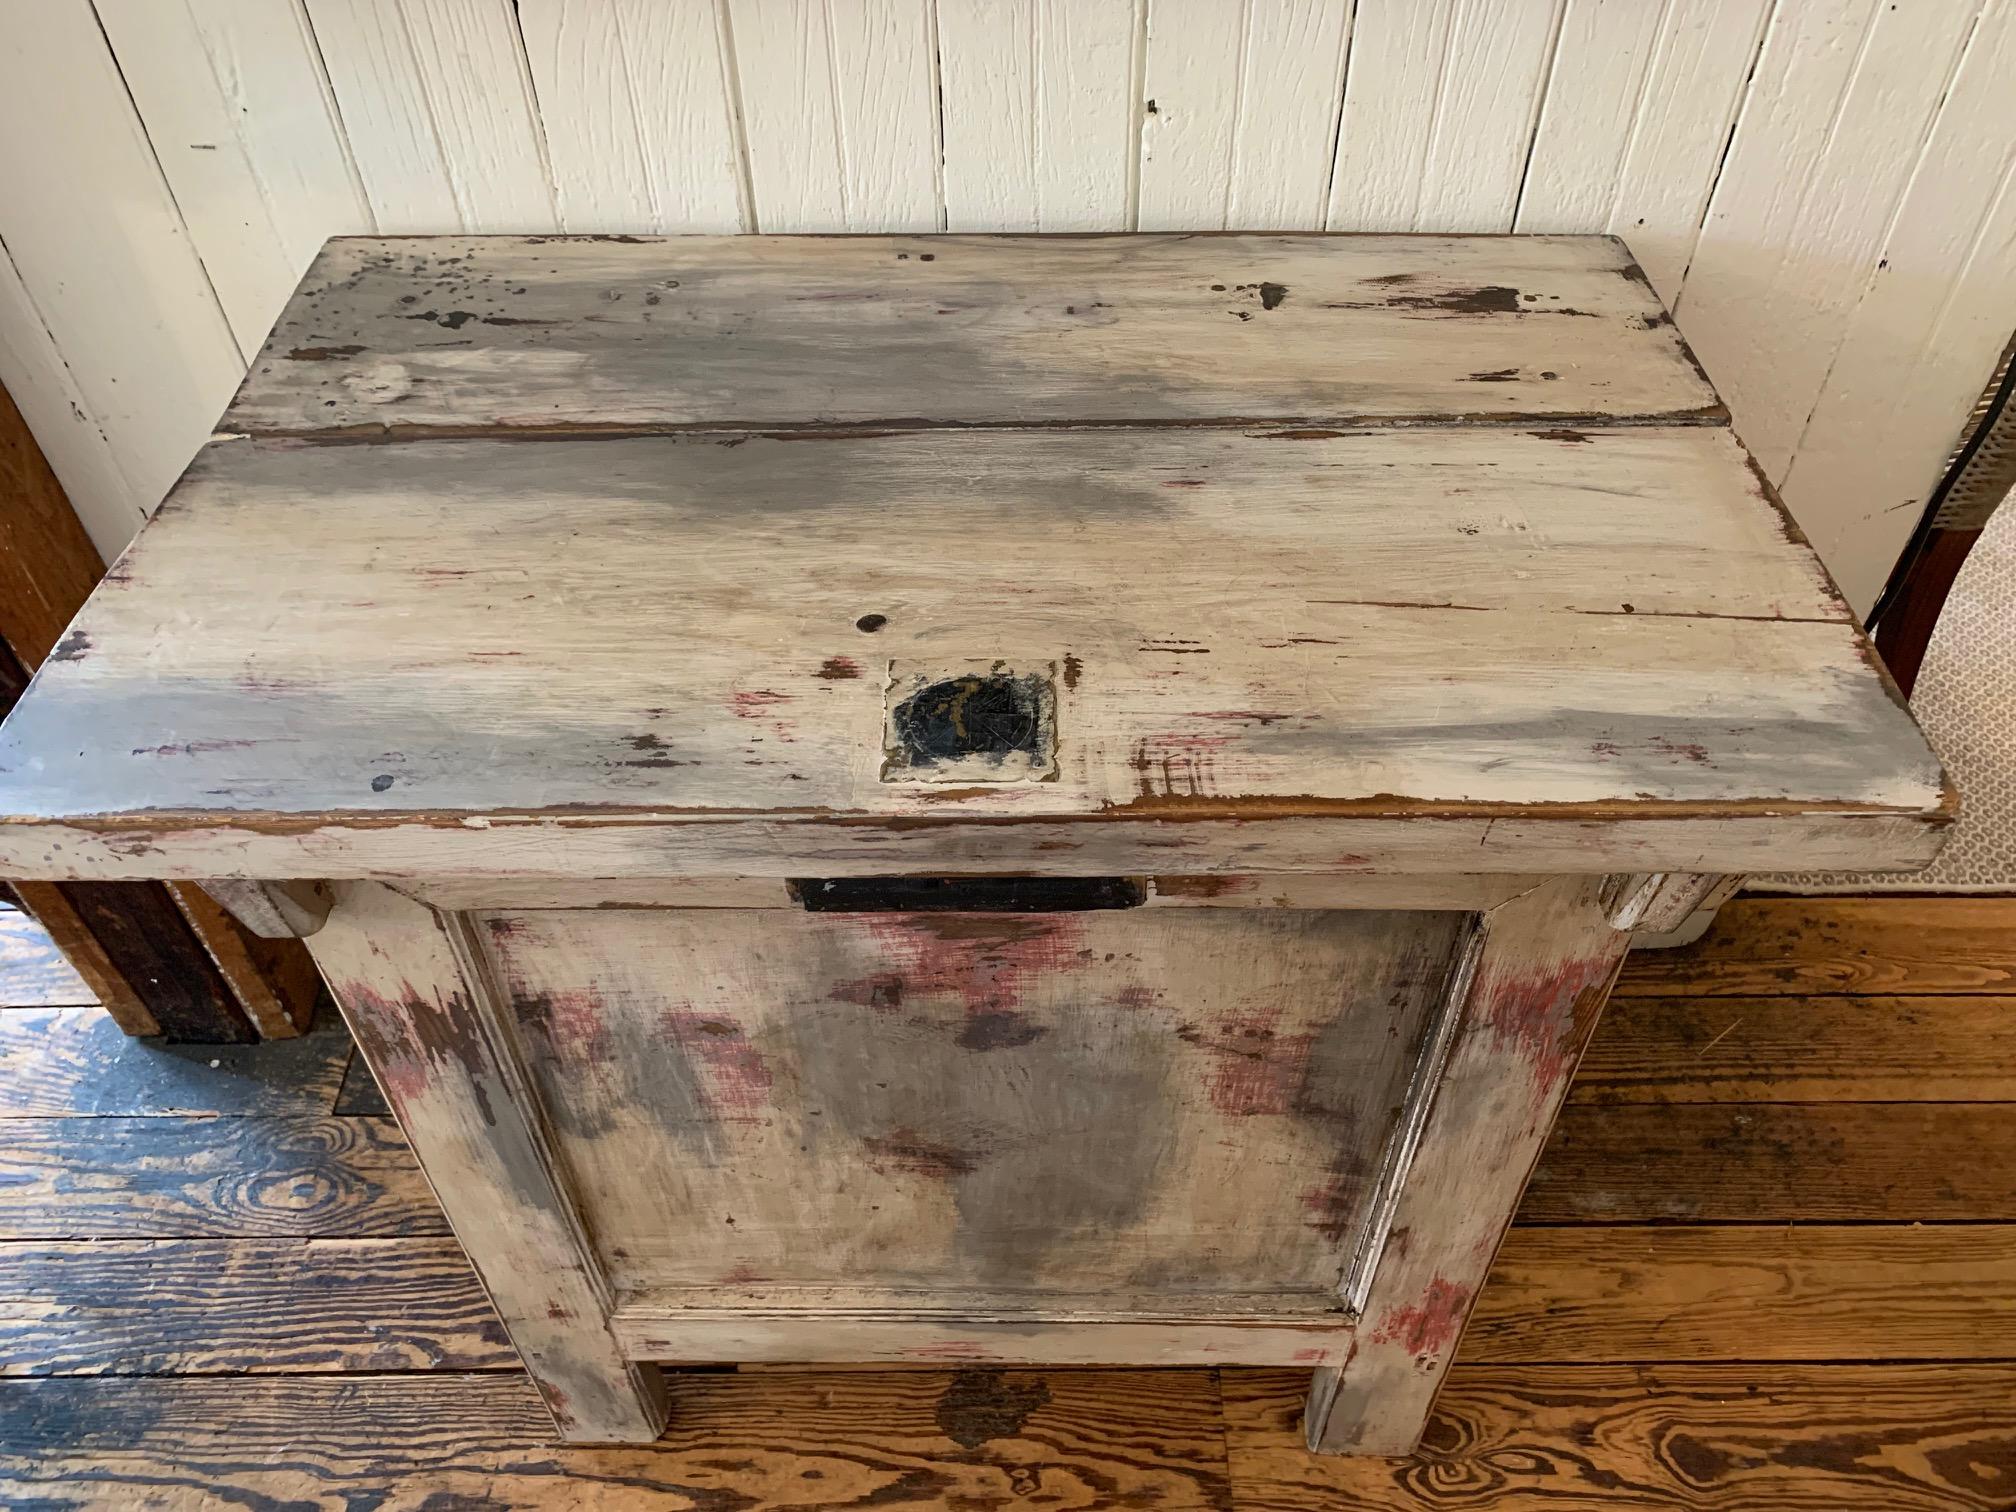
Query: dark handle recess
967,894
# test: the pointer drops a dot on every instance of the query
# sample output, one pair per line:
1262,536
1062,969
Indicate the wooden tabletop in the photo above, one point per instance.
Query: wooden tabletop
609,557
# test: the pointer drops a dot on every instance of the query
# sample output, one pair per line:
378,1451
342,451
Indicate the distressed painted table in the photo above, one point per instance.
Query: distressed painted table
1012,800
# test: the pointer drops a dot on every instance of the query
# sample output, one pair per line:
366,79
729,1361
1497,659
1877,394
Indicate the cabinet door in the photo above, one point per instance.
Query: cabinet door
1143,1113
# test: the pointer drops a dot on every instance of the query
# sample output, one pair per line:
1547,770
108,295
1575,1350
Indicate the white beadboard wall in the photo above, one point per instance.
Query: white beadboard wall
1820,188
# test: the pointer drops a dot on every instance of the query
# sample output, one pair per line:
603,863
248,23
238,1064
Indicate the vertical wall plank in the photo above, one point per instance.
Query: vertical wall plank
1390,100
1844,93
1927,332
1593,96
639,127
840,110
103,257
1692,91
240,116
1196,67
1245,106
439,114
1290,103
1439,109
990,72
34,374
1039,113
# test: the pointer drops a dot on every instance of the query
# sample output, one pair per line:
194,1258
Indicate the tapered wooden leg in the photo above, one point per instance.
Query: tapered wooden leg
415,989
1525,998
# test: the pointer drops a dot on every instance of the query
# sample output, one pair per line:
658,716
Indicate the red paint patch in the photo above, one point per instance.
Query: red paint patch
1535,1017
558,1403
985,961
403,1078
738,1079
571,1023
1258,1070
838,669
1178,764
1430,1326
1331,1205
760,704
405,1036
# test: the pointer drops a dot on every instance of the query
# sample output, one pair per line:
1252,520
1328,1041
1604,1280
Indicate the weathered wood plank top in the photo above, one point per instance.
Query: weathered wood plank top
790,331
1460,645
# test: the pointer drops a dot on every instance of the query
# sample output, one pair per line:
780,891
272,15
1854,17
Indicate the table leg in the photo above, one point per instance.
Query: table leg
1526,995
415,988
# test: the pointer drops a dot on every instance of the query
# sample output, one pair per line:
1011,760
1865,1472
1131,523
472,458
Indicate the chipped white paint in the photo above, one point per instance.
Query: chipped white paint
1220,329
1286,617
1475,614
1525,997
415,990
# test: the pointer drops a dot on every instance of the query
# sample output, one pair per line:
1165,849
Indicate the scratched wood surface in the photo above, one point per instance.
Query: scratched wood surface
1041,1108
1560,679
777,331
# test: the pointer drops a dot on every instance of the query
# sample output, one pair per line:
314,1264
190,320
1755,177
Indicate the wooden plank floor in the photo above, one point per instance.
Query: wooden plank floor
1768,1262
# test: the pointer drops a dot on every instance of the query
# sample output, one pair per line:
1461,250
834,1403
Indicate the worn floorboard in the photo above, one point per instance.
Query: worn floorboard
1782,1291
1769,1261
218,1306
1777,1162
1735,1438
151,1178
360,1095
921,1439
1802,1049
76,1062
1802,946
33,969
